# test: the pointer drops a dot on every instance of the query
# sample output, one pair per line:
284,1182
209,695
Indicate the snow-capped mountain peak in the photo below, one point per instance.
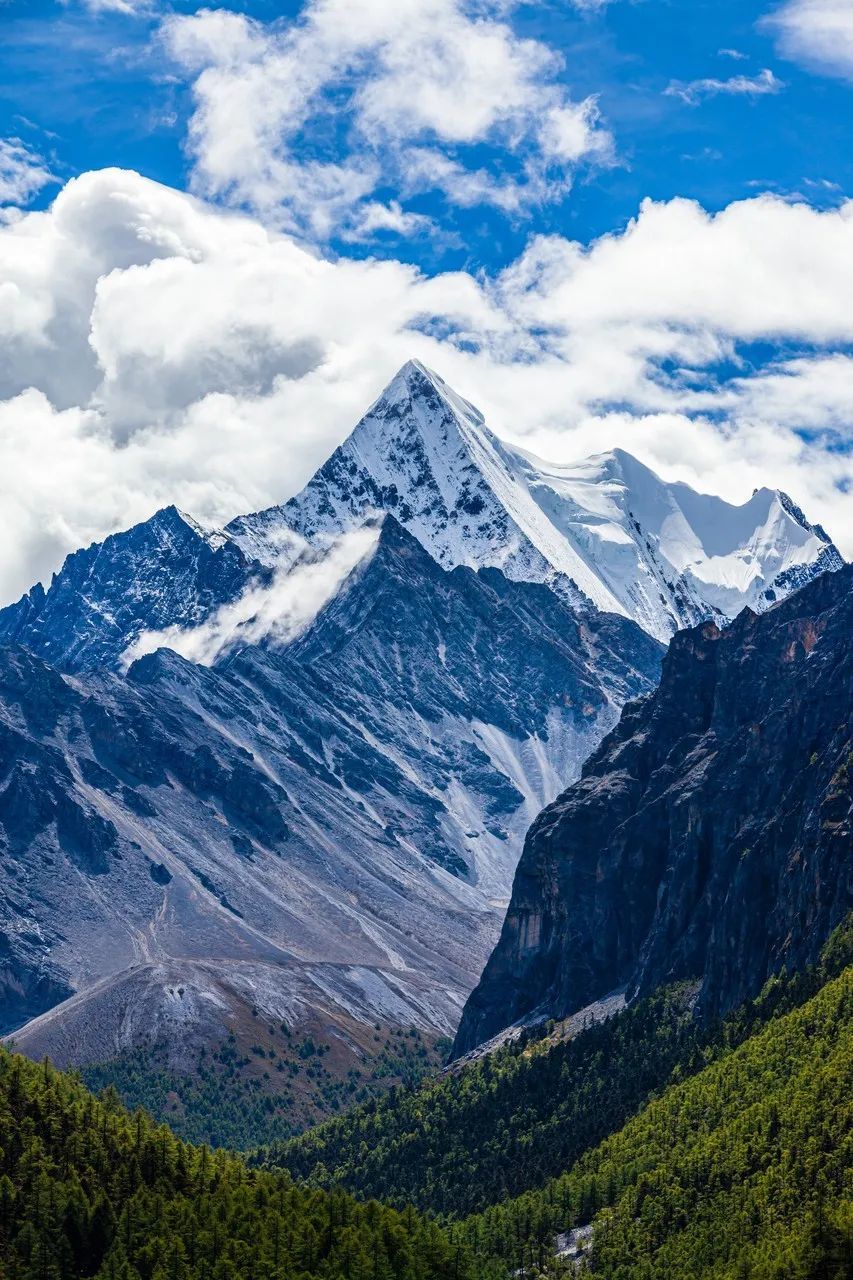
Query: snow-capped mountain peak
606,532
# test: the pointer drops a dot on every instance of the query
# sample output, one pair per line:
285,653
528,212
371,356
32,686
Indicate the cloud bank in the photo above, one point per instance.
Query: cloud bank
156,349
304,121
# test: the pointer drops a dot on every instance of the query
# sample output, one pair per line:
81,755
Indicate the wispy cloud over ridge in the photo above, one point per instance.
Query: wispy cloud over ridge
271,614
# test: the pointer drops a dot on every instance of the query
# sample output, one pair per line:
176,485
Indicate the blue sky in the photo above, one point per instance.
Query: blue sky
90,90
607,224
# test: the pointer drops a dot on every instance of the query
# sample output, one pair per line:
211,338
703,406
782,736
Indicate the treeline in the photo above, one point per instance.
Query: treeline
739,1169
742,1172
503,1124
276,1088
522,1115
89,1190
525,1114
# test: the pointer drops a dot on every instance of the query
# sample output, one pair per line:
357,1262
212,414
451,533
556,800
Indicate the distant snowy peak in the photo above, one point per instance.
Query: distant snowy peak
672,556
606,533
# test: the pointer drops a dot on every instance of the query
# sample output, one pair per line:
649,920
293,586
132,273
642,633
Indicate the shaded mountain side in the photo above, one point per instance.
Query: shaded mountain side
326,830
710,835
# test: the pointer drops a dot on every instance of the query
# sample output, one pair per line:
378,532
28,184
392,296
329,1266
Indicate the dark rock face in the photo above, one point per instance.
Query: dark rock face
710,835
166,571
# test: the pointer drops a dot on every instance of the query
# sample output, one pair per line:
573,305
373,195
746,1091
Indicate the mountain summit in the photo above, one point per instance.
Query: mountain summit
606,533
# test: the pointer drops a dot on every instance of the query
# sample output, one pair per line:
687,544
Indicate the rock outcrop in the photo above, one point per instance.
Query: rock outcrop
710,835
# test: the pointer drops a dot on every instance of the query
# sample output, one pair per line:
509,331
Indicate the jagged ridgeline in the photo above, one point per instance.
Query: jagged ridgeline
87,1189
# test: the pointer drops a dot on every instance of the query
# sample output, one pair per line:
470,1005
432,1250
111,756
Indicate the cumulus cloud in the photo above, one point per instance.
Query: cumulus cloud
270,614
818,33
693,91
155,349
397,91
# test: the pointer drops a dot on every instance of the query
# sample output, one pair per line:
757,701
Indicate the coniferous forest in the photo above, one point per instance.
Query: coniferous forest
518,1117
739,1168
87,1189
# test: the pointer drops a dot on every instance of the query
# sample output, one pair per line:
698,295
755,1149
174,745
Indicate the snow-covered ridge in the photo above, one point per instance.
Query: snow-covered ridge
605,532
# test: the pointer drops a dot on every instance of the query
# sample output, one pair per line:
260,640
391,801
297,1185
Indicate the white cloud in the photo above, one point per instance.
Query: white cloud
693,91
181,354
273,614
818,33
375,217
23,173
117,6
394,82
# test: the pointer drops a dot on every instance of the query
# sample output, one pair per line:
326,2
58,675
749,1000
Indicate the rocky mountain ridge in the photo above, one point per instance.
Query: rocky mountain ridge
607,534
710,836
322,819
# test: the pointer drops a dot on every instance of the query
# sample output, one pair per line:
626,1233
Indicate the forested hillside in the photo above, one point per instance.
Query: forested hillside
512,1120
740,1173
88,1190
279,1085
504,1123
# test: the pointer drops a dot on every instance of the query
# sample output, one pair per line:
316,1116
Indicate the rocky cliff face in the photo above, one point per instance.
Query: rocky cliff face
710,835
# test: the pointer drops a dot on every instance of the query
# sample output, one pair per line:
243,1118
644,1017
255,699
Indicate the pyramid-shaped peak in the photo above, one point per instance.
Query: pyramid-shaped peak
412,377
415,383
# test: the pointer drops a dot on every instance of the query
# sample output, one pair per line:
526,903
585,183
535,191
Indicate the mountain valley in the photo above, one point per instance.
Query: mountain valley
267,787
